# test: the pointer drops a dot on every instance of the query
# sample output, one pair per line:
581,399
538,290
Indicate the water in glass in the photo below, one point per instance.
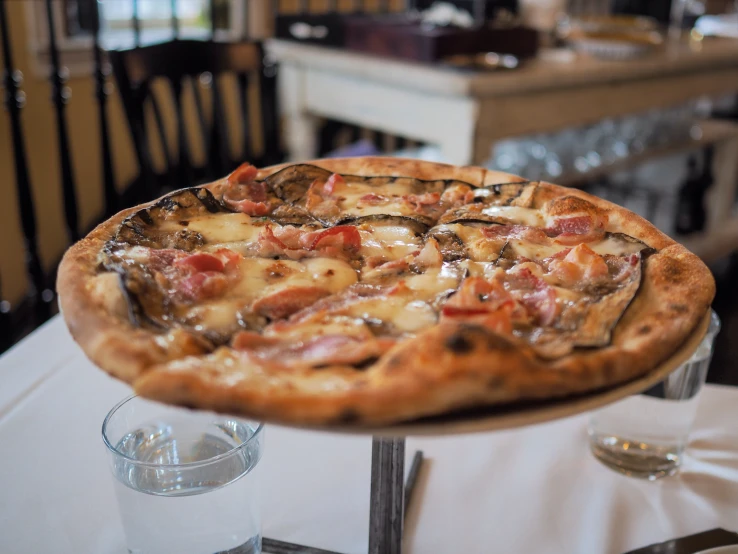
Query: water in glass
179,506
646,435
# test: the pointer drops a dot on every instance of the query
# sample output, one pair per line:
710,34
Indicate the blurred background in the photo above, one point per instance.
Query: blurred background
110,103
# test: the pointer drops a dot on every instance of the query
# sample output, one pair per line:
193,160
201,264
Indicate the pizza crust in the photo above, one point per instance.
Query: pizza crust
447,367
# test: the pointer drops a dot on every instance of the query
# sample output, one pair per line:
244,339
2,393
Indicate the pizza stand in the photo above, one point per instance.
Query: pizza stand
390,494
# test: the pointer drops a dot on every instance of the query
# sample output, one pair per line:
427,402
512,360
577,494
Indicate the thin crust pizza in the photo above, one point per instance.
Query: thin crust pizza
365,291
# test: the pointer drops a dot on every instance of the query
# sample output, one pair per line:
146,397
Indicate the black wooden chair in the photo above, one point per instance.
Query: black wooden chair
189,63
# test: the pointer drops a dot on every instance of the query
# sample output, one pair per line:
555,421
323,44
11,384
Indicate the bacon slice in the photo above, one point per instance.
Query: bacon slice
342,237
249,340
244,173
162,258
203,274
532,292
580,265
455,195
320,192
481,301
255,209
332,182
429,256
202,285
202,261
427,204
316,351
577,229
246,195
285,302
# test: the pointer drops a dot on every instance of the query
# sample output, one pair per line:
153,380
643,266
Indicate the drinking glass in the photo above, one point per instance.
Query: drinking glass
645,435
186,481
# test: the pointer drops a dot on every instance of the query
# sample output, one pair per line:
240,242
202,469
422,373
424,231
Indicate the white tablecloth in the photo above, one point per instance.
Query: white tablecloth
532,490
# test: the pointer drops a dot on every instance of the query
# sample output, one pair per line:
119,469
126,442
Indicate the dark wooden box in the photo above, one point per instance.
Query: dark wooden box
402,38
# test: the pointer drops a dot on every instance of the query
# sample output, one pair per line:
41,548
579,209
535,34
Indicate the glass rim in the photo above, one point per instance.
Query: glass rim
715,323
113,450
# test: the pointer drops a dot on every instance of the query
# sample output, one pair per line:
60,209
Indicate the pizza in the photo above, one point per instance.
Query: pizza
373,291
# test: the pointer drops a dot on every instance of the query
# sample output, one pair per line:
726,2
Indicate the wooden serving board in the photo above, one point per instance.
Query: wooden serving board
519,415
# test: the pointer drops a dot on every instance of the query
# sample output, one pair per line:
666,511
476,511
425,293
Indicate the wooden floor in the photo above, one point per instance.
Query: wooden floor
724,367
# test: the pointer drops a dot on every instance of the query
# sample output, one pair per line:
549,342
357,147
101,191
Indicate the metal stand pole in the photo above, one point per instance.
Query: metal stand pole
386,508
387,505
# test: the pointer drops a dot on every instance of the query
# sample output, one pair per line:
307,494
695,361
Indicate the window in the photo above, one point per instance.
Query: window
124,23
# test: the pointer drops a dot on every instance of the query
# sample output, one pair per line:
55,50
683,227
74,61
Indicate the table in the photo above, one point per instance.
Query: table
466,112
531,490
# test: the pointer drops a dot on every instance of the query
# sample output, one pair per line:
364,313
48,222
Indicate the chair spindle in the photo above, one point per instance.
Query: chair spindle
60,95
14,102
184,166
247,147
101,73
219,155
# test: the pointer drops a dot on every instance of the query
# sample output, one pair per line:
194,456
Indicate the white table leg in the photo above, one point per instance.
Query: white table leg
301,127
458,148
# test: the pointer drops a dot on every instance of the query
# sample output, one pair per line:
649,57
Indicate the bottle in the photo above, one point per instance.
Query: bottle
691,214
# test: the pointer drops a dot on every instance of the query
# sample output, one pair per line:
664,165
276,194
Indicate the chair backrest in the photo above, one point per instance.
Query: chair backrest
198,65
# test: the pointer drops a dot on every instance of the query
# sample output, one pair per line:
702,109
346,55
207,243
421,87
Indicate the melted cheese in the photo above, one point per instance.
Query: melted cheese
351,203
478,246
479,269
390,242
523,216
409,311
434,281
612,245
262,276
534,251
406,316
219,315
616,246
222,228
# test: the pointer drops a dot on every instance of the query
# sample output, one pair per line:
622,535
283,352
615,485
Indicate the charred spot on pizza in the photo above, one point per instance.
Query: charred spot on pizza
644,329
458,343
418,226
679,308
348,416
473,334
365,364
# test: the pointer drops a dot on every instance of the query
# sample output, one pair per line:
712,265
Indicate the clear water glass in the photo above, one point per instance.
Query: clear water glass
186,481
646,435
